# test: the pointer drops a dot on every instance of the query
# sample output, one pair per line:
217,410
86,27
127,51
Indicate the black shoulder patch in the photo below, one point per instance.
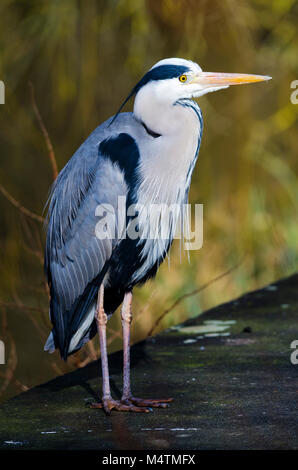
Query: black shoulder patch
123,150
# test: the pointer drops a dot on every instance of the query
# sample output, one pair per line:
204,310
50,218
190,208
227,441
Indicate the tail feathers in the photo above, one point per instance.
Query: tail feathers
50,344
69,327
87,337
84,333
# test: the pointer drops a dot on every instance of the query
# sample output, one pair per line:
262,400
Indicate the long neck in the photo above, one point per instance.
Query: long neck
159,112
168,161
166,166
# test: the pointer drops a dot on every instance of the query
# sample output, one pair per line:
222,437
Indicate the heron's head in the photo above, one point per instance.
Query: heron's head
170,80
174,79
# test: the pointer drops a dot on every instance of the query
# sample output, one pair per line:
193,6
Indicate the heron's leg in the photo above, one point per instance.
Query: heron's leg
107,402
127,397
101,320
126,319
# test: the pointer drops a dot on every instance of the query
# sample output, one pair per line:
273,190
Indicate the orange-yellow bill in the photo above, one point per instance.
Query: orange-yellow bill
219,79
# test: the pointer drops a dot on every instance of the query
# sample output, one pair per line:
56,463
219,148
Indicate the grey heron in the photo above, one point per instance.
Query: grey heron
146,156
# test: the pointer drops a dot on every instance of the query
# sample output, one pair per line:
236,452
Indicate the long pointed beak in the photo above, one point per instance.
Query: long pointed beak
225,79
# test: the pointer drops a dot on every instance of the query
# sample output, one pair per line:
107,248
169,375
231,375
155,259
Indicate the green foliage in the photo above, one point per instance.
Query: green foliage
84,57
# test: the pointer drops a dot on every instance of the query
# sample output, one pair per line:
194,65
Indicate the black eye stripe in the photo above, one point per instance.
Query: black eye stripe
161,72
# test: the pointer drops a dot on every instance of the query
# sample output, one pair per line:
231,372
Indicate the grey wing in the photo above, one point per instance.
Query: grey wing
76,259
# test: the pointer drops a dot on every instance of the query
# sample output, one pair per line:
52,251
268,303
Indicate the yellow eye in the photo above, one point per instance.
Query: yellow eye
183,78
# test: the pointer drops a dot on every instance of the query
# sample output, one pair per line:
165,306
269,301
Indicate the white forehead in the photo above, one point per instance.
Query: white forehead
176,61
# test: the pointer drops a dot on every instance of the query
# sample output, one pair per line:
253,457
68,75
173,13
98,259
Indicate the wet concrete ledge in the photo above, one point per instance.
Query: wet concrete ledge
229,371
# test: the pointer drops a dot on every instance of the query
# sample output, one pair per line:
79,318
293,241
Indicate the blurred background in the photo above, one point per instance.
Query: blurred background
82,59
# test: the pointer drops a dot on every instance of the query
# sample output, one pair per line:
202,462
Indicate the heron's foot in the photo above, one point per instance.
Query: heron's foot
109,404
152,403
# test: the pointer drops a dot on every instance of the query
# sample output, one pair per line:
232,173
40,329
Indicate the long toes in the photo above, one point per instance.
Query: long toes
154,403
132,407
133,404
140,402
164,400
110,404
96,405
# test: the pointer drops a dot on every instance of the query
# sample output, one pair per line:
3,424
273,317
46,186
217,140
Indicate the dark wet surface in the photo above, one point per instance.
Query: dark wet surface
229,372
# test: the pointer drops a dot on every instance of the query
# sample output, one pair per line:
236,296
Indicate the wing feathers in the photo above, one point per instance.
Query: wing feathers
76,260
